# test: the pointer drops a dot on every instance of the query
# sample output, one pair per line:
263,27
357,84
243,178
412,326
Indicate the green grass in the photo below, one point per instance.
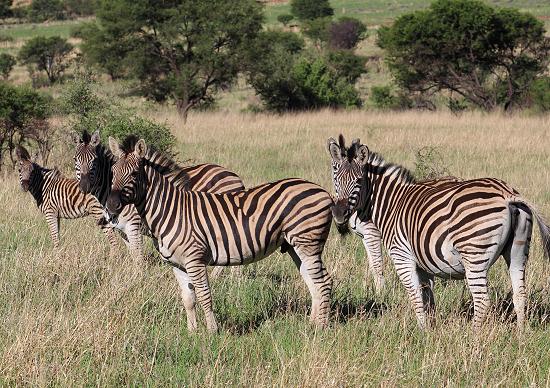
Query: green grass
31,30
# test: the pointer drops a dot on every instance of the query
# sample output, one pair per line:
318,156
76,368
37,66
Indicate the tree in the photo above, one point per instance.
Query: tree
7,62
46,54
487,56
346,33
23,115
42,10
183,50
285,19
5,9
310,9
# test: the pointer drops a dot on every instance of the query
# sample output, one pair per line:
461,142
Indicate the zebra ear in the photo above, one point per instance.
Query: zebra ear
22,153
140,149
95,139
34,157
334,150
75,137
114,147
362,154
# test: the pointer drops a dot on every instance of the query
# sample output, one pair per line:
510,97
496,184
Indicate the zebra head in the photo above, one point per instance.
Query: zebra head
125,172
25,167
347,177
85,159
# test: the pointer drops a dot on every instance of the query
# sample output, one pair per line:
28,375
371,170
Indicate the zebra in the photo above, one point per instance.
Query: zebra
455,230
369,233
196,229
58,197
93,164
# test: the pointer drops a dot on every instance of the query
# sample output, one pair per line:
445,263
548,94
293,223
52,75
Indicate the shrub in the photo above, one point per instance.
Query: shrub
42,10
429,164
7,62
285,19
46,54
347,65
540,94
382,97
5,8
346,33
310,9
317,30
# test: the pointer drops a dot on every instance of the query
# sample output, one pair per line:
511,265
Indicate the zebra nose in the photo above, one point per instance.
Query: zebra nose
85,183
25,185
114,205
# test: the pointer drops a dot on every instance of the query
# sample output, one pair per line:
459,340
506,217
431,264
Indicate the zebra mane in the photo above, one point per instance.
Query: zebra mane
86,137
159,161
376,160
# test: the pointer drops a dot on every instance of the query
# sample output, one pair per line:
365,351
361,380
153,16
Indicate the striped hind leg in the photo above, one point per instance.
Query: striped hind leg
196,269
188,296
476,278
372,240
318,282
515,254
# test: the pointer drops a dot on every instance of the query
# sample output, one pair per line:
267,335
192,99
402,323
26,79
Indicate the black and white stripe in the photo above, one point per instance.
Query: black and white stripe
59,197
453,230
196,229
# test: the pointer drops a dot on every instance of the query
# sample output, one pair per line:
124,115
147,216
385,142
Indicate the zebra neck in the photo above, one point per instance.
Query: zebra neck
41,182
104,178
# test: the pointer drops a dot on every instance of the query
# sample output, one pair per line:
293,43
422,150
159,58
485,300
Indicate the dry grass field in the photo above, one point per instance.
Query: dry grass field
75,317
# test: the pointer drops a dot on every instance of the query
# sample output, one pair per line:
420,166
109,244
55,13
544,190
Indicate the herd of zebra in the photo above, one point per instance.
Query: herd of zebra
202,215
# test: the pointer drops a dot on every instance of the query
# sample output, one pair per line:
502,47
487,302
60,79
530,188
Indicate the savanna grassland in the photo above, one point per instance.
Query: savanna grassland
76,317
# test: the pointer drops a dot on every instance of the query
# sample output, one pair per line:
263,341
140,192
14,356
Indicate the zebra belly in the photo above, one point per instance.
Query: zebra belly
247,258
448,265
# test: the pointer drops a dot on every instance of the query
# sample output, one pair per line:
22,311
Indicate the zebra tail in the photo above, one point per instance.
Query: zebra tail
544,228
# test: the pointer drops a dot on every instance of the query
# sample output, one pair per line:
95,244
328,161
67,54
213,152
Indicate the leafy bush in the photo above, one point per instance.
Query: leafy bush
7,62
5,9
382,97
310,9
346,33
46,54
6,38
285,19
23,116
347,65
488,56
317,29
429,164
42,10
88,111
540,94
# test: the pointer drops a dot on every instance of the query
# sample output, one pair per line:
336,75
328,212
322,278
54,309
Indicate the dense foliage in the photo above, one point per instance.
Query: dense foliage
180,50
7,62
487,56
46,54
310,9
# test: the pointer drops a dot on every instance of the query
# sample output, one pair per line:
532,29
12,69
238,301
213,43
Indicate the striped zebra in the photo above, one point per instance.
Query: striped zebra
369,233
196,229
454,230
58,197
93,164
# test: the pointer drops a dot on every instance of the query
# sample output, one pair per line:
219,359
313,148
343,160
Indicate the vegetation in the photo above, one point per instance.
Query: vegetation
46,54
5,9
487,56
310,9
184,52
285,18
346,33
7,62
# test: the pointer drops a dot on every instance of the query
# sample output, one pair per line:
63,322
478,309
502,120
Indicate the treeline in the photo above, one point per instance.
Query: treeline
39,11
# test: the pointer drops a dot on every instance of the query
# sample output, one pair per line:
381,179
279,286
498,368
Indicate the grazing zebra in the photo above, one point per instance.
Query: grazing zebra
454,230
196,229
58,197
369,233
93,164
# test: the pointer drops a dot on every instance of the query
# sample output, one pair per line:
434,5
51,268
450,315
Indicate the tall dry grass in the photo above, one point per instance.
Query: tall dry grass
74,317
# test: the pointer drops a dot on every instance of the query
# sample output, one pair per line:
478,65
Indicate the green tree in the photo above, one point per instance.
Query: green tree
7,62
5,8
42,10
285,19
23,114
487,56
346,33
310,9
183,50
46,54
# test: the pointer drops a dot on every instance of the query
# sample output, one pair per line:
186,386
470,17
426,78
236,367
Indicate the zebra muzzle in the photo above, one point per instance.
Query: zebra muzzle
114,204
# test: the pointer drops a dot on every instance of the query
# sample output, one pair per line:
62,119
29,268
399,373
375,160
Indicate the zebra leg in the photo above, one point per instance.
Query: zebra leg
318,282
188,296
427,285
135,244
372,240
111,237
216,271
477,284
199,279
515,254
408,272
53,224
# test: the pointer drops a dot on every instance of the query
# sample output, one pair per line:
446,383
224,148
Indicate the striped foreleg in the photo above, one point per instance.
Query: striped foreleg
97,212
196,269
188,296
372,240
53,224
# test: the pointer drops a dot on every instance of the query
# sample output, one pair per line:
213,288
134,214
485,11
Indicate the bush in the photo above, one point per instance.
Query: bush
382,97
429,164
76,8
42,10
90,112
7,62
46,54
347,65
5,9
285,19
317,30
23,116
346,33
310,9
540,94
6,38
